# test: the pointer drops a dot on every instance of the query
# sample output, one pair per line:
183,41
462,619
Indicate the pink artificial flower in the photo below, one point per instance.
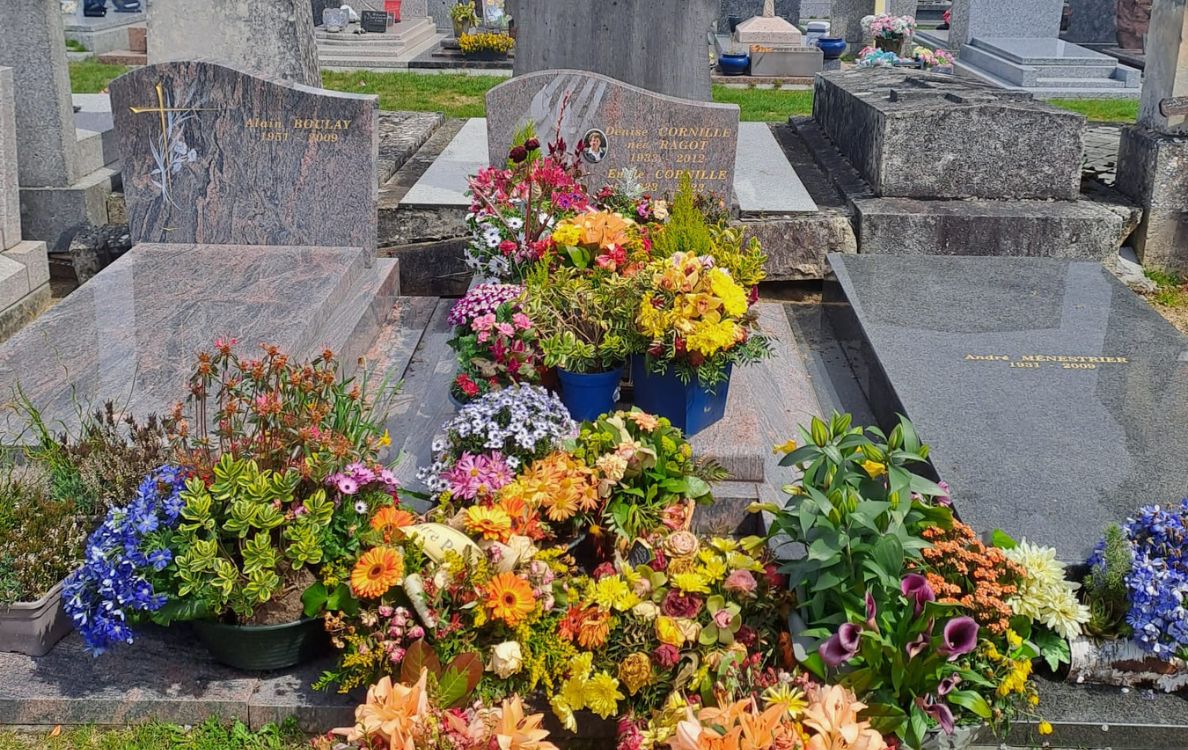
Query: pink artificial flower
522,321
722,618
740,582
483,322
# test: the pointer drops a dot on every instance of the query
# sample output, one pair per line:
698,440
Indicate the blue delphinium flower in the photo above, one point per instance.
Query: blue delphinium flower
113,582
1158,580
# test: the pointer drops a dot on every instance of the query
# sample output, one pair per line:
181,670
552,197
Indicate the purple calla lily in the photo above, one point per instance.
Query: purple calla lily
871,611
915,587
939,711
947,684
960,636
841,646
917,645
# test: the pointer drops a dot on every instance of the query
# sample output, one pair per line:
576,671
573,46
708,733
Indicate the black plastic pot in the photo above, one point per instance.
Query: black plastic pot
263,648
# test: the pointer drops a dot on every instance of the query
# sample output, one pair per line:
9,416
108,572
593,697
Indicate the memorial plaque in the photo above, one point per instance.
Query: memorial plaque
219,157
374,21
1054,398
623,127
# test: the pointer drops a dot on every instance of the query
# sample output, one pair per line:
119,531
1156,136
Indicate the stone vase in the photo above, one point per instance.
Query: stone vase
1133,17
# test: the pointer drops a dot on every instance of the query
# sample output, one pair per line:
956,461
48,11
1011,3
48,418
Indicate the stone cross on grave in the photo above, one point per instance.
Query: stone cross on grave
769,8
170,151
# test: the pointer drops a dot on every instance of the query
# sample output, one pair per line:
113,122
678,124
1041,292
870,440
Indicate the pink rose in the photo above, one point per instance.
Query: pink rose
740,582
522,321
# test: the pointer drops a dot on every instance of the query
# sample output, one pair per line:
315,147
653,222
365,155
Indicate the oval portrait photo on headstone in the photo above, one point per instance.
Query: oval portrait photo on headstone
595,145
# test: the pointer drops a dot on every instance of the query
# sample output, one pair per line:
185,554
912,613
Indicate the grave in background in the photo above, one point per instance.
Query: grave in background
1052,396
66,170
101,34
1153,155
274,39
658,45
24,269
968,202
253,201
1015,44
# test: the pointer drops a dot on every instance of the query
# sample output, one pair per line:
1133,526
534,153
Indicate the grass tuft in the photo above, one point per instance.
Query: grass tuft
1101,110
90,77
211,735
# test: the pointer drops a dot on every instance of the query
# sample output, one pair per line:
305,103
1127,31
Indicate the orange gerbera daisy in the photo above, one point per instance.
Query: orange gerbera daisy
390,520
489,523
510,598
378,570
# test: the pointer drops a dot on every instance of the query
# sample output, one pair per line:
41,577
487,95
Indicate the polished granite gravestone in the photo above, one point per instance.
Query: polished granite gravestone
131,333
1055,399
219,157
660,136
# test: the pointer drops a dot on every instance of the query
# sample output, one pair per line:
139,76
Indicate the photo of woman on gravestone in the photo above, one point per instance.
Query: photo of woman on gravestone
596,146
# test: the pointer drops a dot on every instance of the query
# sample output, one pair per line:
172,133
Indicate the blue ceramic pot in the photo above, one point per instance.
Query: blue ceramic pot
690,407
833,47
734,65
589,396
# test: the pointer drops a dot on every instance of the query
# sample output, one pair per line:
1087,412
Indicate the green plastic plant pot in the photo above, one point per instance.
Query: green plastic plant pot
263,648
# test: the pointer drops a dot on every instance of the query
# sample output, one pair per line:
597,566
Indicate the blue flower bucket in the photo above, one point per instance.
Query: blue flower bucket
589,396
690,407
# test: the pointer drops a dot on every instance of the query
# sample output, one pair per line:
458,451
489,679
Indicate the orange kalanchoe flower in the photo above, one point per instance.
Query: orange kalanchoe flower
390,520
378,570
965,571
509,598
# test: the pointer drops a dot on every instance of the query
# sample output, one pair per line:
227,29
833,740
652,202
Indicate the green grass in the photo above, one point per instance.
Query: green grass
90,77
212,735
456,95
766,105
1172,292
75,46
1102,110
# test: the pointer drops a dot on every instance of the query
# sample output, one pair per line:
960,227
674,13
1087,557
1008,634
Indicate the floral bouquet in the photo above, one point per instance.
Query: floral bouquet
696,317
1138,584
513,210
604,239
929,58
492,438
889,27
494,339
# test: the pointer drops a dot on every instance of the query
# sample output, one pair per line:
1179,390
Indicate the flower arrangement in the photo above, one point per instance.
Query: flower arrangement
888,26
463,12
496,342
584,321
1139,581
486,42
932,58
870,57
514,209
511,427
265,491
937,628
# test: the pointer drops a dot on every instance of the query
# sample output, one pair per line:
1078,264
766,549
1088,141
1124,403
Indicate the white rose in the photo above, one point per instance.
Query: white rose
506,659
646,611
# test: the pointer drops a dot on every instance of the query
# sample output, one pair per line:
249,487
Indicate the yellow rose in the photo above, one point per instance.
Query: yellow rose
667,631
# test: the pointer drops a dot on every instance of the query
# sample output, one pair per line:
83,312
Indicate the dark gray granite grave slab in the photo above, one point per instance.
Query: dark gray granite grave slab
130,334
219,157
661,136
1053,397
982,142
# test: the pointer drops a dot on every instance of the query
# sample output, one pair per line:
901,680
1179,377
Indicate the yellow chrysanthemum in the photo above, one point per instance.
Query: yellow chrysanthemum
612,592
691,583
602,696
711,338
667,631
566,234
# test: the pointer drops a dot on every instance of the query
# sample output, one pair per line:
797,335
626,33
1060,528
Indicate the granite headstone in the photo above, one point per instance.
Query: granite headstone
216,156
10,193
1052,396
265,37
1012,19
623,127
658,45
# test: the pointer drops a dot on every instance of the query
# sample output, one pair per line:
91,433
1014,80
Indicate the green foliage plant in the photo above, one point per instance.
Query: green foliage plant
1106,592
583,320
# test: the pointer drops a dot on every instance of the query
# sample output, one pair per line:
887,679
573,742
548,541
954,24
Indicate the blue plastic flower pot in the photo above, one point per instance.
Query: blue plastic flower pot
734,65
691,407
832,47
589,396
